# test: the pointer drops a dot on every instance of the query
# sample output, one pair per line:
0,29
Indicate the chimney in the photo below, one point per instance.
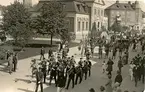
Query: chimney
117,1
129,2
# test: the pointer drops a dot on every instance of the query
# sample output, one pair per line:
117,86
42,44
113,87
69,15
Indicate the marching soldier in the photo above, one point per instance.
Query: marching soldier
78,74
61,79
53,72
42,53
71,75
73,60
39,79
85,69
89,67
44,69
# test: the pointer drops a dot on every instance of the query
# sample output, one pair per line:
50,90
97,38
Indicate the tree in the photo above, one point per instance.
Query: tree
16,22
52,21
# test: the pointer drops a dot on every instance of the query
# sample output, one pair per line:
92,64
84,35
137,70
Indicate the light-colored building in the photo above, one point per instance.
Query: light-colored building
1,16
81,15
131,14
97,12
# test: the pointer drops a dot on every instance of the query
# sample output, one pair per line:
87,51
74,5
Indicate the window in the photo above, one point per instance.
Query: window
98,12
79,26
94,11
78,7
83,27
84,7
102,12
117,6
98,24
86,25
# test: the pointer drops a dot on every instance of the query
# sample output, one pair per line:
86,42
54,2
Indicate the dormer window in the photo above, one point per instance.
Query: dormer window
84,7
78,6
125,6
117,6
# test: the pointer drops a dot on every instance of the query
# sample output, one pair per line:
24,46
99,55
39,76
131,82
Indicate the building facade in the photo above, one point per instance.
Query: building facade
131,14
81,15
97,12
1,16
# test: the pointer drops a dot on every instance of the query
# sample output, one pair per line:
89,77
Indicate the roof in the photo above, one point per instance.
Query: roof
70,6
103,2
121,6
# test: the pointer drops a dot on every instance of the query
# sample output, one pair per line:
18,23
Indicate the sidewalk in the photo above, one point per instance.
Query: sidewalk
23,73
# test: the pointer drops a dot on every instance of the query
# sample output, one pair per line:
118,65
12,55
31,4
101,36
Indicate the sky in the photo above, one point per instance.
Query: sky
108,2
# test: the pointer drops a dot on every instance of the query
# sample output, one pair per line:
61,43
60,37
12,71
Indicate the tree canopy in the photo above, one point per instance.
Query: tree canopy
16,22
52,20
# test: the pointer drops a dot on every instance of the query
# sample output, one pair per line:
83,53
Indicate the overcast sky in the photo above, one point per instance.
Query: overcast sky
108,2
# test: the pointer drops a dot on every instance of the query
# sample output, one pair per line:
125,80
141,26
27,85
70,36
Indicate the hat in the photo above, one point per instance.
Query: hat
92,90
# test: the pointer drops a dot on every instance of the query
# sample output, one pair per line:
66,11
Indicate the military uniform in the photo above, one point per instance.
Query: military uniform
78,74
85,69
53,73
44,69
39,78
71,75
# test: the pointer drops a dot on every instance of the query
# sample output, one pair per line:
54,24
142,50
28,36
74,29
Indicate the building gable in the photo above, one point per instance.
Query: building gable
101,2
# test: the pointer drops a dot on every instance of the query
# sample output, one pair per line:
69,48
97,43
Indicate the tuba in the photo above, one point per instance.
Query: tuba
78,69
70,71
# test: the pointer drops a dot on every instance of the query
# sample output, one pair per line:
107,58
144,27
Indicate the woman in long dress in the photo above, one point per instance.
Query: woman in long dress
109,84
131,70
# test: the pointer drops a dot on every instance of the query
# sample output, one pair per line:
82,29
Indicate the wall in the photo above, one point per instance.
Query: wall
98,15
82,26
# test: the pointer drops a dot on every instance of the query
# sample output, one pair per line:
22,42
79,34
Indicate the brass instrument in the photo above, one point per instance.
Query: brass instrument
78,69
70,71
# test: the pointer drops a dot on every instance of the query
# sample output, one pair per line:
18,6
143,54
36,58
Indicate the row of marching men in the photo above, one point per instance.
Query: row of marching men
63,71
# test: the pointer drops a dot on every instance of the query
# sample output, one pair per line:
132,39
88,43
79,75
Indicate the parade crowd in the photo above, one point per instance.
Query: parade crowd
63,69
136,64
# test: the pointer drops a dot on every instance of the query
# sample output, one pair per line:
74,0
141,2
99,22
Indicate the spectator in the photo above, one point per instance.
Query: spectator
91,90
102,89
118,78
109,84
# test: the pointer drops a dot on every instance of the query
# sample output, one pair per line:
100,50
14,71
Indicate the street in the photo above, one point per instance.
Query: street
19,81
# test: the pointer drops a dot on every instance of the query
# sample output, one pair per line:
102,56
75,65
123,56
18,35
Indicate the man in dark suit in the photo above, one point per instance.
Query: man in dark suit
39,79
15,61
42,53
53,73
50,52
61,79
78,74
44,69
71,75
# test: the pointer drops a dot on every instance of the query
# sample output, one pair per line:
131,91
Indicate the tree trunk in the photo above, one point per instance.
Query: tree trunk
51,42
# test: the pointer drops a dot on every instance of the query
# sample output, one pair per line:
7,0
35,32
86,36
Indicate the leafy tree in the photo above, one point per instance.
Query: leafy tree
52,21
16,22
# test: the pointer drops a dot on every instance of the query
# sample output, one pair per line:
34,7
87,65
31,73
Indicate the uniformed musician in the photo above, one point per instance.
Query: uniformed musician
89,67
71,75
78,73
44,69
53,72
39,79
85,69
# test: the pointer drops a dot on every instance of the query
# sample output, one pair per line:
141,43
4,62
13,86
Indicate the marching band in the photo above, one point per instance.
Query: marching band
62,69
